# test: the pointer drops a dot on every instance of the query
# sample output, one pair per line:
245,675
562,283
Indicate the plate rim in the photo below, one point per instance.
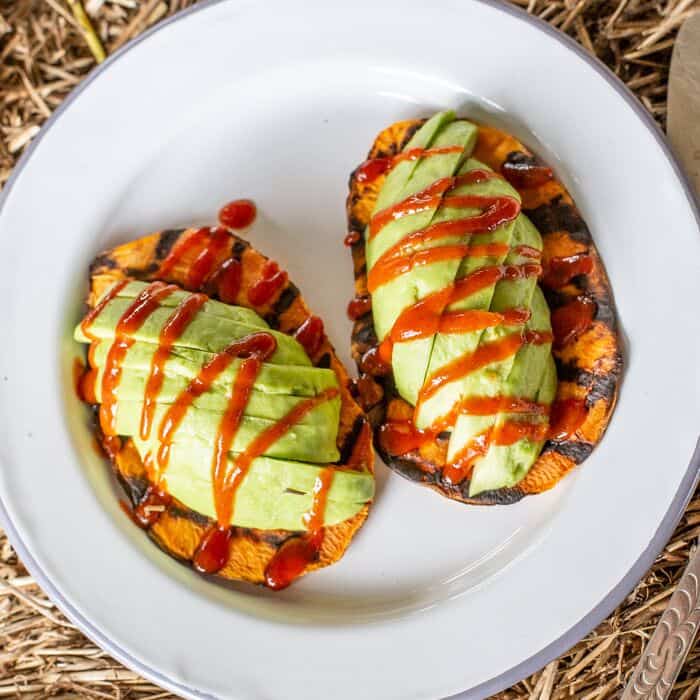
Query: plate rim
600,611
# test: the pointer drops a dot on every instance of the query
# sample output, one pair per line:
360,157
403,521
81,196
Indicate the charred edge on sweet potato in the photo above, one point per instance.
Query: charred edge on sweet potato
589,368
179,529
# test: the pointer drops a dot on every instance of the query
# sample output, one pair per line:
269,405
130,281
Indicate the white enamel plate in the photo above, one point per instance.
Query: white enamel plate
278,101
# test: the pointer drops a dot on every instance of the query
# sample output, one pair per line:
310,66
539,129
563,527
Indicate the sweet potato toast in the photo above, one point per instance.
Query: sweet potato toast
588,360
178,530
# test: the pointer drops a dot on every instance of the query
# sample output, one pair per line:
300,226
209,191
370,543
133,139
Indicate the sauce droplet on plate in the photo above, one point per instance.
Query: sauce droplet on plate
238,214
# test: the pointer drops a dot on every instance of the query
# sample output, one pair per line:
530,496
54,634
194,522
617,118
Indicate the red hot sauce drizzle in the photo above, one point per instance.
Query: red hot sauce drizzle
567,416
572,320
310,335
271,280
212,553
129,323
352,238
91,315
485,354
292,558
560,271
202,267
261,344
222,279
507,433
374,168
226,280
525,172
359,306
187,242
174,327
427,316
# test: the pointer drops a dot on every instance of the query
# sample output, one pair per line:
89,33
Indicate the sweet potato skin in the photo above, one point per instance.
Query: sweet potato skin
178,530
588,369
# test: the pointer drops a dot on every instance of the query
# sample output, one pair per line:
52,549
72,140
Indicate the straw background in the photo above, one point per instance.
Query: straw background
46,48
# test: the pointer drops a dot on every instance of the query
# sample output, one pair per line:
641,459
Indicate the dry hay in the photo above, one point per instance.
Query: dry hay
44,52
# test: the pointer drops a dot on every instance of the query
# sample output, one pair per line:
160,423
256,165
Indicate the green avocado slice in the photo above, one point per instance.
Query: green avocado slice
399,176
425,172
183,364
313,440
240,314
505,466
521,376
275,493
206,332
392,298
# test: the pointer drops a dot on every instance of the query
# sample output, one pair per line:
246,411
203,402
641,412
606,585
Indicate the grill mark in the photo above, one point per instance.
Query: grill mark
407,468
556,298
569,372
605,312
272,538
350,439
188,514
134,487
166,241
603,386
575,450
409,134
363,333
286,299
558,216
239,247
102,262
355,223
141,273
504,496
324,361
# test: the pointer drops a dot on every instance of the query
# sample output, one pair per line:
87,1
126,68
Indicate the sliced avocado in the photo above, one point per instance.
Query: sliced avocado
313,440
505,294
206,332
392,298
425,172
400,174
525,375
240,314
278,489
183,364
275,493
506,466
413,361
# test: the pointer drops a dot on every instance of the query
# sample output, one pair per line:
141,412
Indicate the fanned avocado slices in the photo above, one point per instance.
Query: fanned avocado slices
275,493
451,353
491,412
304,484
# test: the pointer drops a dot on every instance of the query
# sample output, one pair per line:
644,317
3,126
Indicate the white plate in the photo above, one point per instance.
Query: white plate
268,101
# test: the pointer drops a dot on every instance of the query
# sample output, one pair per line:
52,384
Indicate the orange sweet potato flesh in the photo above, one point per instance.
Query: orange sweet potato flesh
178,530
588,369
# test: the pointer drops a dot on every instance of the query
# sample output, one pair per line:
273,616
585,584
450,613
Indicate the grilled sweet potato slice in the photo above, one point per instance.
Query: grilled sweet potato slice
178,530
589,362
